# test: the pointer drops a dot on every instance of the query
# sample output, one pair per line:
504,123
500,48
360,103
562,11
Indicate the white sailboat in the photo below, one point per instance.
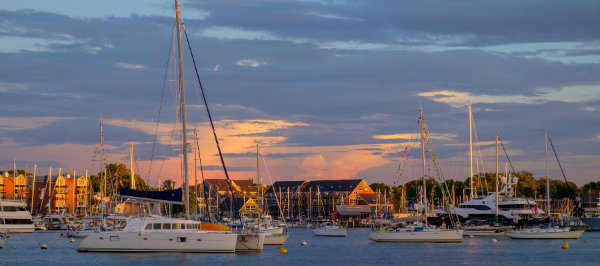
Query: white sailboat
417,233
328,229
549,231
274,235
161,234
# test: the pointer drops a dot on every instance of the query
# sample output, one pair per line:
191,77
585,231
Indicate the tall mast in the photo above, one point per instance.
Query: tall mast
423,128
497,179
196,170
33,187
259,184
186,188
103,186
471,148
547,176
132,171
14,176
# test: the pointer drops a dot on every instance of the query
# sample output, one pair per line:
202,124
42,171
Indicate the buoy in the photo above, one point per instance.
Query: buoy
72,239
303,243
565,245
43,246
283,250
494,240
470,236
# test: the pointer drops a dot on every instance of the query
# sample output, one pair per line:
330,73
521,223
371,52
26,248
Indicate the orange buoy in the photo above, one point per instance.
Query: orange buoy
565,245
283,250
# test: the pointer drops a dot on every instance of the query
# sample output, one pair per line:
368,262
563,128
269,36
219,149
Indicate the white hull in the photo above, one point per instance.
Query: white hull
17,228
80,233
250,243
545,234
432,235
198,241
276,239
330,231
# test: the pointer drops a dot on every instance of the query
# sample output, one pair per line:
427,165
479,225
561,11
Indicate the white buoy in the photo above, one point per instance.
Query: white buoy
494,240
303,243
470,236
43,246
72,239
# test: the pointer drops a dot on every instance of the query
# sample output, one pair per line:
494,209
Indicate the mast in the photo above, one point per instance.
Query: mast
33,187
471,149
547,176
132,181
260,205
49,181
186,195
497,179
196,170
14,176
423,128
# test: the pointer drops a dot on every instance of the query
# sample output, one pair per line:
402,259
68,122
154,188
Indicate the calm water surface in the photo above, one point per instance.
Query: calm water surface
356,249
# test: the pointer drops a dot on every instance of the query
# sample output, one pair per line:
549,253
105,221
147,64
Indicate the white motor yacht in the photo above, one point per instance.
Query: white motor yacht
159,234
14,217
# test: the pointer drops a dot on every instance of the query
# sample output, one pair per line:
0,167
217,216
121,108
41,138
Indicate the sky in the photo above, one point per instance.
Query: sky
327,89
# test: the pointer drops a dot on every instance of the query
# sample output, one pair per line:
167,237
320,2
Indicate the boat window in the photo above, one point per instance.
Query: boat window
166,226
148,226
182,239
177,226
114,238
156,226
331,187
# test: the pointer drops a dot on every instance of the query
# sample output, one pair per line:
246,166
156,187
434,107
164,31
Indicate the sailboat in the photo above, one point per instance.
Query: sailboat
163,234
274,235
417,233
328,229
548,231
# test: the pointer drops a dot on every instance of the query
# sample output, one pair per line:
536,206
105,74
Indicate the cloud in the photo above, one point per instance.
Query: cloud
250,63
129,66
459,99
22,123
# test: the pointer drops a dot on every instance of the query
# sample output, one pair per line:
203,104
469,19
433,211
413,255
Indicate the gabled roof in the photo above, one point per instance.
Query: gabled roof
221,184
284,185
246,185
333,185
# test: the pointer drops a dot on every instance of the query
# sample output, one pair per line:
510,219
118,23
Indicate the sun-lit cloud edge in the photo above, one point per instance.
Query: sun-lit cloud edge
571,94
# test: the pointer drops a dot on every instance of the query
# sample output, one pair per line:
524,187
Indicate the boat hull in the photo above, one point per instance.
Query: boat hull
545,234
276,239
199,241
250,243
17,228
442,236
342,232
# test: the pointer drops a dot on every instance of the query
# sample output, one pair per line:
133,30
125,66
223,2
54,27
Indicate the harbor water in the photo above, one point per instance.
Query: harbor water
355,249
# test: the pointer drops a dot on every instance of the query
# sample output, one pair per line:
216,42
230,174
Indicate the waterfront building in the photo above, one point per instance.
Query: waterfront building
314,200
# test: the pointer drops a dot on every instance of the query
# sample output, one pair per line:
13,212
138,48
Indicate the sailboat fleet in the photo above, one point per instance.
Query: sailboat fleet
147,232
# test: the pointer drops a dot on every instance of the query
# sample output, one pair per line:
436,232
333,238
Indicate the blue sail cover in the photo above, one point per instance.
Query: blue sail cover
171,196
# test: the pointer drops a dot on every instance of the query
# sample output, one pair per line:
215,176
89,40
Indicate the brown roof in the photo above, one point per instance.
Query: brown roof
221,184
246,185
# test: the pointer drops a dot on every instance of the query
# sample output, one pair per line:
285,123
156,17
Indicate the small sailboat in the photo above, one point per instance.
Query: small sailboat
548,231
330,230
417,232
